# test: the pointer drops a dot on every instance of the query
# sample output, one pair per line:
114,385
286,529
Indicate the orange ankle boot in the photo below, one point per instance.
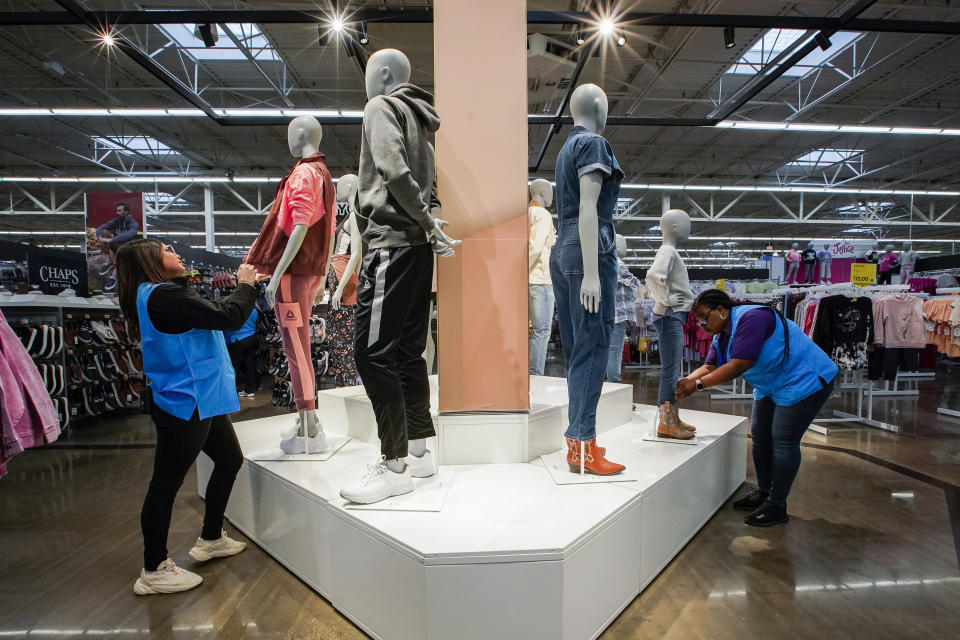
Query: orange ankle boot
668,425
593,460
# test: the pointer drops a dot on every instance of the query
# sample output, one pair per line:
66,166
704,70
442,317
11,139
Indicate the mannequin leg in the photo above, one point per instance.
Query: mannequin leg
615,353
792,268
541,301
392,307
906,272
296,345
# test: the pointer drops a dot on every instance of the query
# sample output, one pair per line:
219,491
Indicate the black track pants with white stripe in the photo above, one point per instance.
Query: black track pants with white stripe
393,305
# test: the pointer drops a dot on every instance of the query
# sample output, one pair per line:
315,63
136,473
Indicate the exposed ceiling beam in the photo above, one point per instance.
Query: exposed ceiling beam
401,15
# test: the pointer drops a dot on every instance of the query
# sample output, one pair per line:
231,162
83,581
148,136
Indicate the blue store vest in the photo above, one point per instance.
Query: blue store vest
785,382
187,371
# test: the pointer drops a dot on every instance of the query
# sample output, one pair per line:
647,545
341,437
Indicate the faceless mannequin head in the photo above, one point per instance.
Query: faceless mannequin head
346,187
385,70
826,246
888,248
542,191
621,246
907,246
796,246
675,226
304,134
588,104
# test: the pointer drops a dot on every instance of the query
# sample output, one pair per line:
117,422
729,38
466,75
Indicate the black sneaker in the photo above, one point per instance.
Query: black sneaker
767,515
85,334
751,501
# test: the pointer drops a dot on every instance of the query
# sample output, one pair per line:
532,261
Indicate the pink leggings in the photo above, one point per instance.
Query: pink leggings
294,306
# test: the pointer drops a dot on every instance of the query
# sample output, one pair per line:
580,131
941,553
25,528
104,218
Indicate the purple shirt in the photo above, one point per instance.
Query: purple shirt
754,327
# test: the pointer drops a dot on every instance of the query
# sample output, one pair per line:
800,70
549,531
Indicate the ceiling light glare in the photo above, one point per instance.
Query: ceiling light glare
855,128
606,26
108,39
915,130
812,127
621,39
337,24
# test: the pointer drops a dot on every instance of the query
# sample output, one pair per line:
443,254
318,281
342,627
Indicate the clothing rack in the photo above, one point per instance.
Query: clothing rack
864,388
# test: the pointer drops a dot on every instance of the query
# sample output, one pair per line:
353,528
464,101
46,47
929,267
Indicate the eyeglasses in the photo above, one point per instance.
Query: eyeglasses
702,322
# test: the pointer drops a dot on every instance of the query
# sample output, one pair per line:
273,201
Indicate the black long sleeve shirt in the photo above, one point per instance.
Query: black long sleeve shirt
176,308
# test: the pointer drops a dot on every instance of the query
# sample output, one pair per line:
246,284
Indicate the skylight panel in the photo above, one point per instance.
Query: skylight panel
128,145
819,158
863,207
186,38
776,41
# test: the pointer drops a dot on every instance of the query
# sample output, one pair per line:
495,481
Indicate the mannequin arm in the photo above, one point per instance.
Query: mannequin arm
293,246
589,228
353,265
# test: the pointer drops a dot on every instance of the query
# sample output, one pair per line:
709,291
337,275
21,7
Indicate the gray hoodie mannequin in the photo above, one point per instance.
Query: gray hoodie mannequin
908,260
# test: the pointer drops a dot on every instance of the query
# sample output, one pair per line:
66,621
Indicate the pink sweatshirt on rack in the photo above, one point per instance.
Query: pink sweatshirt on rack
898,322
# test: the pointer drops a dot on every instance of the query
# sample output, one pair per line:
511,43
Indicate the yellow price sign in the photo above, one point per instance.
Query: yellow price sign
722,284
863,274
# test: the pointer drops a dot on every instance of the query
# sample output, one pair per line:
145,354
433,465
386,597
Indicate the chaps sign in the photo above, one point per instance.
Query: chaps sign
53,270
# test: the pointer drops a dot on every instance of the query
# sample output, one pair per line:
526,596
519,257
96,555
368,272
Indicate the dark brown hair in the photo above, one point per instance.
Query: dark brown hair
138,261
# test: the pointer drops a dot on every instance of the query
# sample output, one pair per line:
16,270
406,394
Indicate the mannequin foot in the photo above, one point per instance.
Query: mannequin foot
294,442
308,424
593,461
379,482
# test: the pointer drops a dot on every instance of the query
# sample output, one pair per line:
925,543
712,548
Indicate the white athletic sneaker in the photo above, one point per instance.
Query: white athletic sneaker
378,483
244,394
291,443
422,467
168,578
221,548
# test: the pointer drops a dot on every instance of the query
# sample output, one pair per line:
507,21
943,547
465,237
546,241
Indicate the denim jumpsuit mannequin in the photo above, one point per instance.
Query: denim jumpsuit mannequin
583,268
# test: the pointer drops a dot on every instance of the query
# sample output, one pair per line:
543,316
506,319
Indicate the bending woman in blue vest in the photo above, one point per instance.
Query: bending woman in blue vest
791,377
185,358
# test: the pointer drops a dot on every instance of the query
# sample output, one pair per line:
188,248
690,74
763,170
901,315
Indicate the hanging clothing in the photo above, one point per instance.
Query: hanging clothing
844,329
27,415
626,303
306,196
898,321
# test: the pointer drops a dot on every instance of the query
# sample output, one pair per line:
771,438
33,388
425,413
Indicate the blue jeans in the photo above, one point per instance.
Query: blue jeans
541,317
615,355
670,337
585,336
775,432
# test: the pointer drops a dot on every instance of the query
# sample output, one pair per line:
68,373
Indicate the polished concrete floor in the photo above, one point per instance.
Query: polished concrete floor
871,550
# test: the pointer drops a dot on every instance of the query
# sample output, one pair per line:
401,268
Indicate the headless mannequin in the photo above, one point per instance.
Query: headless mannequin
304,134
908,260
809,265
793,263
542,237
826,258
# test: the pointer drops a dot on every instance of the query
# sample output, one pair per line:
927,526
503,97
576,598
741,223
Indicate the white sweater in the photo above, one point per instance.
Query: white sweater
668,283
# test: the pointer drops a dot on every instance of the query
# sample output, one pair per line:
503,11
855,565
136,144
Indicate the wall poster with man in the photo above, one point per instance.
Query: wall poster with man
112,220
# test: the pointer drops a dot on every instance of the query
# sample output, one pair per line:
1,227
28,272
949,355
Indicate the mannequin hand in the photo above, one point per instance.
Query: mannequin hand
271,293
441,250
685,388
335,299
675,300
590,293
438,237
247,273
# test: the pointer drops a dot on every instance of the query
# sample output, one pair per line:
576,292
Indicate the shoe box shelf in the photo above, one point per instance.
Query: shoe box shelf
83,354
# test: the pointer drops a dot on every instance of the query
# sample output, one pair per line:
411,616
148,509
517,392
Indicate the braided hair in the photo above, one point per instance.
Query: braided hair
713,298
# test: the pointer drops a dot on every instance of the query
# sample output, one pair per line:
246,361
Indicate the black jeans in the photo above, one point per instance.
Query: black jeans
243,354
393,308
179,442
776,431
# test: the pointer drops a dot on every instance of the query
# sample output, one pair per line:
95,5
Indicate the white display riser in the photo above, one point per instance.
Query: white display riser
511,554
487,437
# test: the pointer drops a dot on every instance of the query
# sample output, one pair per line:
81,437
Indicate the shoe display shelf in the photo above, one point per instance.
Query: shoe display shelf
88,377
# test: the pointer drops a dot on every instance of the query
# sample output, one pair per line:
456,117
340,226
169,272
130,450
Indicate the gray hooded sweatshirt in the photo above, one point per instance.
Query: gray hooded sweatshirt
397,184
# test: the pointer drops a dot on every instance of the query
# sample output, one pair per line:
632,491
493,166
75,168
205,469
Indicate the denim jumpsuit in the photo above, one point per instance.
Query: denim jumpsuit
585,336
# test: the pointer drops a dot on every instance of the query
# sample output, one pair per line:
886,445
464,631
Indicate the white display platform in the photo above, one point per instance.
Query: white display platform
483,437
511,555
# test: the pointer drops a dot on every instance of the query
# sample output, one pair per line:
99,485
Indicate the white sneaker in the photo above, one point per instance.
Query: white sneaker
422,467
244,394
291,443
221,548
168,578
378,483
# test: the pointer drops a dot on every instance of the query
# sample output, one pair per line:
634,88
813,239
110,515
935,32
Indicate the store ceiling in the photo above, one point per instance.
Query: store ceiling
887,79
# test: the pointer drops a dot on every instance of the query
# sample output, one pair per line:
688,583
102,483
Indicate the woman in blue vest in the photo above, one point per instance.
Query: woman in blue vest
791,377
185,359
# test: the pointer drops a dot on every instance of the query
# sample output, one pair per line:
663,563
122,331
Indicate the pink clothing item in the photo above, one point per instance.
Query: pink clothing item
887,261
298,291
302,200
793,255
27,415
898,322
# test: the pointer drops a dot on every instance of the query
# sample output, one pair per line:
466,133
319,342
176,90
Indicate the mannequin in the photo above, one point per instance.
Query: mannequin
809,259
908,260
669,287
295,244
584,271
398,217
889,261
342,283
873,255
541,239
826,268
793,263
626,310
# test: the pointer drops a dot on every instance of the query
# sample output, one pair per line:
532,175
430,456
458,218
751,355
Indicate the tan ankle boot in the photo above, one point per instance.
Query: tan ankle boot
668,425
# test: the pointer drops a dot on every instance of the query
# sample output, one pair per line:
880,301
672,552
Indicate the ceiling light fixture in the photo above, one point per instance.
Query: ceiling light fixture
621,39
729,37
364,38
606,26
108,38
209,34
337,25
580,39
